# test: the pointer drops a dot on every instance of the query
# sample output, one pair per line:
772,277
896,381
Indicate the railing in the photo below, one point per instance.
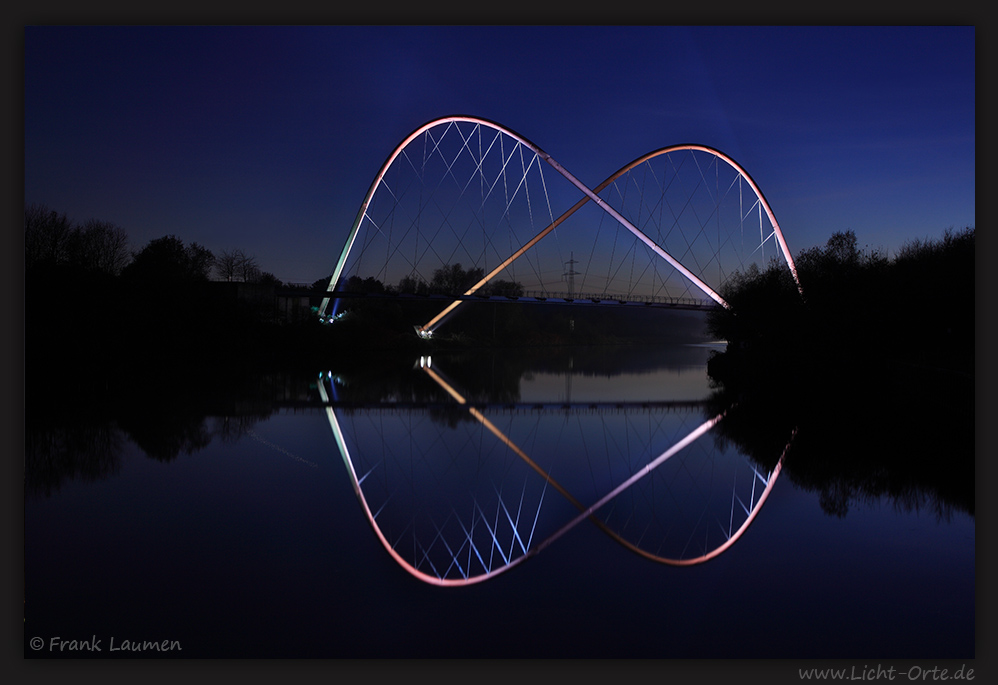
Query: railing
532,296
621,298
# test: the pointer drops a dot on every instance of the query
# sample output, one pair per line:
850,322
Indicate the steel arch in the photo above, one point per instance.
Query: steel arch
778,232
337,272
589,194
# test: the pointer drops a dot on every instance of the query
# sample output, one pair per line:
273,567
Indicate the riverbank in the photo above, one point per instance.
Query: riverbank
873,368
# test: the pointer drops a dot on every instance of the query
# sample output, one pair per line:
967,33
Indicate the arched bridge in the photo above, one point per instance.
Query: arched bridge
467,207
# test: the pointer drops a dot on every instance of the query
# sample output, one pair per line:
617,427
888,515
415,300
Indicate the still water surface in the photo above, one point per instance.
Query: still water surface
484,505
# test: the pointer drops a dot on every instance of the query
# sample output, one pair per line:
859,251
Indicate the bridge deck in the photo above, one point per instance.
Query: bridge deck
589,299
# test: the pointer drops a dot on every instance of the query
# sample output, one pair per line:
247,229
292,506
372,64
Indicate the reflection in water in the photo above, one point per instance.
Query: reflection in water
243,529
88,450
903,436
866,439
165,416
459,493
291,455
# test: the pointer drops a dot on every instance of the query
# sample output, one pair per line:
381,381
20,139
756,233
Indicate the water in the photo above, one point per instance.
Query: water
234,530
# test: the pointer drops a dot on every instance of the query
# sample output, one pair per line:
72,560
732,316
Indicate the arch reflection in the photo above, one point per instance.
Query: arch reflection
459,493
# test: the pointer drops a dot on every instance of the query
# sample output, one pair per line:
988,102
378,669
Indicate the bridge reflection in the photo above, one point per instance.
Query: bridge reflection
458,493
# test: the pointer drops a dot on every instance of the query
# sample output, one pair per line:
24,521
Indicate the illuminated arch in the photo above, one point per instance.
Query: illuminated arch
761,198
588,194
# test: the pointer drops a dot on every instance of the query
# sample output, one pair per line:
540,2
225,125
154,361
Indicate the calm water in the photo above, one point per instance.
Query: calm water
501,509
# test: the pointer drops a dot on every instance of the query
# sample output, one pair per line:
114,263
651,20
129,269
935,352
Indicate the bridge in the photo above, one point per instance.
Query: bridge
468,195
465,210
527,297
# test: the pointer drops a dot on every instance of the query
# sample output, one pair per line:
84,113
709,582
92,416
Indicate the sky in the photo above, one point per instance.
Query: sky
266,139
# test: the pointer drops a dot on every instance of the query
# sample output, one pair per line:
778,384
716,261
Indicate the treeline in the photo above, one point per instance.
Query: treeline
872,370
95,304
449,279
494,318
857,308
116,316
56,247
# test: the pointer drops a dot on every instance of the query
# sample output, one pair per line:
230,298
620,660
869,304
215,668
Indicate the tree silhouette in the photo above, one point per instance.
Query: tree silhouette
99,246
226,264
52,240
46,236
410,285
452,279
167,260
356,284
268,278
236,265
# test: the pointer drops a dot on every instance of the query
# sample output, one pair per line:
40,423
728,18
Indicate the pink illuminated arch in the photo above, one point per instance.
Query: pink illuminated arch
588,194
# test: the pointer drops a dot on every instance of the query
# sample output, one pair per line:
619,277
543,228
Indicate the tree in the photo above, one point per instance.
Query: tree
356,284
226,264
46,236
200,260
268,278
841,248
452,279
52,239
167,259
249,271
410,285
322,284
236,265
99,246
503,287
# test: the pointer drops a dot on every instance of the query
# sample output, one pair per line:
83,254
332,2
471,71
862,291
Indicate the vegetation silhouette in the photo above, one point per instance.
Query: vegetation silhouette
70,449
878,348
165,413
373,315
858,307
873,368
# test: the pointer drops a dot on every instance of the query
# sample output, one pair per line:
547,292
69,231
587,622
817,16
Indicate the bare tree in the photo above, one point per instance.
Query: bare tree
101,246
249,270
51,238
226,264
46,236
236,265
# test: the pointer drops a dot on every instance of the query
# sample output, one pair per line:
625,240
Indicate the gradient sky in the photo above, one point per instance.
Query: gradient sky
267,138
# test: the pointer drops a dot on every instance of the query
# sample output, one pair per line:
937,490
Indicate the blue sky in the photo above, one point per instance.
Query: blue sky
267,138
